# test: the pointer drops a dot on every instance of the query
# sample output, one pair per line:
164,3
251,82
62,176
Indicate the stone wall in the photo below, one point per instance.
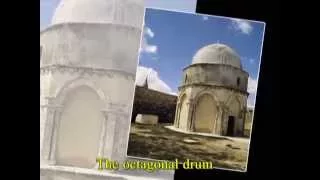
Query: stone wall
147,101
231,102
99,46
75,56
248,122
216,74
115,91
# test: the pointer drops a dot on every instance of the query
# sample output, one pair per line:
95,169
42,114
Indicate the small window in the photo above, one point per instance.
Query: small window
185,79
238,81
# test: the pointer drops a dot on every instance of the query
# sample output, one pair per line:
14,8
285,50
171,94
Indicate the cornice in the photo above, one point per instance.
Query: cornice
84,71
116,109
213,86
216,65
86,24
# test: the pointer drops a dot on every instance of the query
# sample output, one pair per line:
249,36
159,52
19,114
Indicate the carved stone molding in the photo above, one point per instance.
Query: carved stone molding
212,86
69,25
85,71
50,103
116,109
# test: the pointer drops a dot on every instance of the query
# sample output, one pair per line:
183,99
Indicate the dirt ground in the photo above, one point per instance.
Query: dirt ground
158,142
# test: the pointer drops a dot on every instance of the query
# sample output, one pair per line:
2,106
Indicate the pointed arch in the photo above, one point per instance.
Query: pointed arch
233,125
183,112
79,128
181,94
209,92
234,104
61,93
81,104
205,112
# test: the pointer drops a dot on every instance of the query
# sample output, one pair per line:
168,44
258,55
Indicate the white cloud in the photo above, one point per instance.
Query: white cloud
205,18
252,85
145,46
148,48
248,59
251,100
242,25
149,32
252,90
154,81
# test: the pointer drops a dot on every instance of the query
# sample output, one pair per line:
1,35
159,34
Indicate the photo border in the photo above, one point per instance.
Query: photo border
256,89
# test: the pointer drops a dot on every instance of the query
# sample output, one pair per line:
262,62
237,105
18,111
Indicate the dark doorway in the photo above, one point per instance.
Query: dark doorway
230,129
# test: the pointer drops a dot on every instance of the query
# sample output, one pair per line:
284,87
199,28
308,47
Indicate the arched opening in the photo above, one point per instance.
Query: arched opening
183,114
235,123
79,130
205,114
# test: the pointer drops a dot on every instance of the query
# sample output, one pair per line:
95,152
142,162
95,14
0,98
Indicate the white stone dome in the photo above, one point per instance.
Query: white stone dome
99,11
217,54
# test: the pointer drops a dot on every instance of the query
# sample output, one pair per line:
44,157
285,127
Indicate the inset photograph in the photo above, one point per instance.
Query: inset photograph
196,86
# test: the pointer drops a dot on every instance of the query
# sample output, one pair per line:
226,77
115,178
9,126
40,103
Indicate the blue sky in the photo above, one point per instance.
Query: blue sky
172,38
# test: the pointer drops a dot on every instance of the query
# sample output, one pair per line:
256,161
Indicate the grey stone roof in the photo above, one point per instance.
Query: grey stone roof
217,54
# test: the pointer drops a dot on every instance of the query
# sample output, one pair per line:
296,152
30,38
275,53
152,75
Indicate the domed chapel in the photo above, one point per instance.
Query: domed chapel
88,61
213,94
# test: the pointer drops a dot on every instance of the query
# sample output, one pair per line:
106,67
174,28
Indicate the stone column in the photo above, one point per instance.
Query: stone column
47,140
190,113
121,138
43,118
106,144
244,117
116,133
176,118
103,136
221,124
55,128
217,120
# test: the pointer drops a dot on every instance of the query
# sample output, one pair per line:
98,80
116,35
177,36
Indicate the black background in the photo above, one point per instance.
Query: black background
20,90
264,154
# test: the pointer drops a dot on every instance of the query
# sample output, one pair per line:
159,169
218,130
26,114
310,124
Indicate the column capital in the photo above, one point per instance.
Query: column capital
50,103
117,107
52,107
189,102
116,113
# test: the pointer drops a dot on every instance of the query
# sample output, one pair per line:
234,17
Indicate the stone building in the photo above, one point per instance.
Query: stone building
248,121
149,101
213,94
88,62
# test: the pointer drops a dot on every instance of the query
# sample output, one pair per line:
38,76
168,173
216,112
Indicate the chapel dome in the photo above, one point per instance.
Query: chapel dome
99,11
217,54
